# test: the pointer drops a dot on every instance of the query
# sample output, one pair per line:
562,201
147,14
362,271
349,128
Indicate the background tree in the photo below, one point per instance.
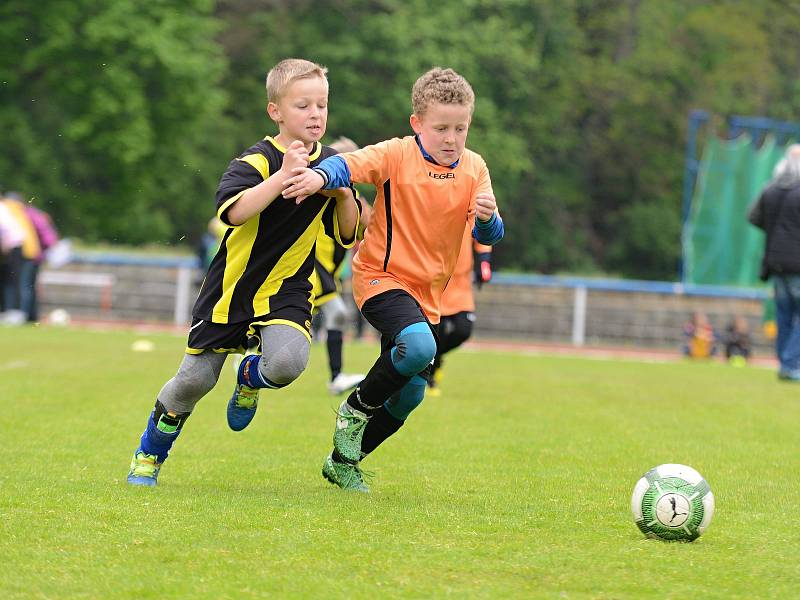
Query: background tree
121,116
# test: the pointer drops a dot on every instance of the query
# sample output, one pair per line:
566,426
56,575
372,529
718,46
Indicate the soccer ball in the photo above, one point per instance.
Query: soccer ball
672,503
59,317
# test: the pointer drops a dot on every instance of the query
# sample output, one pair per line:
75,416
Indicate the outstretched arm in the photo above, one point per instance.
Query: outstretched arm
331,173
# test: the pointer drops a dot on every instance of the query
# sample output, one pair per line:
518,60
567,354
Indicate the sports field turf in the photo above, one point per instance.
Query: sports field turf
514,484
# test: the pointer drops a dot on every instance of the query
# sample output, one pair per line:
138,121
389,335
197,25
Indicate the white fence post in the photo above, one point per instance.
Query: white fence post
182,290
579,317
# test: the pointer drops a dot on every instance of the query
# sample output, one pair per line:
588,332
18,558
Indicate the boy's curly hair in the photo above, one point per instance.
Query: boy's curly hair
444,86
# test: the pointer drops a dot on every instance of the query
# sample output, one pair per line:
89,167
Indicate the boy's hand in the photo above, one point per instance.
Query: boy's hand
338,193
485,206
304,183
296,157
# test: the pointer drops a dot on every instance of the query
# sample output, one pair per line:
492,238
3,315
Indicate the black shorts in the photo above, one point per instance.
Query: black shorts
233,337
393,311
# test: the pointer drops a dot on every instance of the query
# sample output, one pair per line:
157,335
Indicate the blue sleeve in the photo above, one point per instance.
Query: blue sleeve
490,232
336,172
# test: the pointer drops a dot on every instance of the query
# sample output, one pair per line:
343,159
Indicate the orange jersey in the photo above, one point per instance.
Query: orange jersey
457,296
420,214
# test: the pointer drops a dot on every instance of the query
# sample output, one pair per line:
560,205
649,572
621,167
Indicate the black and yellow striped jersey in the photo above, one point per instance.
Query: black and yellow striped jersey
329,262
267,263
328,265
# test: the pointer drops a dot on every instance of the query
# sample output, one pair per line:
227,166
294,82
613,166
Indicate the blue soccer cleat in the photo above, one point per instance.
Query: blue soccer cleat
144,469
242,406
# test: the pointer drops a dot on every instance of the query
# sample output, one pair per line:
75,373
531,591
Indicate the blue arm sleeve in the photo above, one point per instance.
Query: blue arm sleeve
490,232
337,173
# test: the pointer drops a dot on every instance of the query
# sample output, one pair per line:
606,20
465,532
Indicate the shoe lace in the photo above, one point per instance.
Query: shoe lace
145,465
355,472
246,397
355,423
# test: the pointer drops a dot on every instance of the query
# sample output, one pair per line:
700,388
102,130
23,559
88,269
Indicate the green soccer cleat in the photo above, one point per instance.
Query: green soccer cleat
346,476
144,469
347,436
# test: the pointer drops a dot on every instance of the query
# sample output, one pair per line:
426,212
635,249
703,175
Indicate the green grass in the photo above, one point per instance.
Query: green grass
514,484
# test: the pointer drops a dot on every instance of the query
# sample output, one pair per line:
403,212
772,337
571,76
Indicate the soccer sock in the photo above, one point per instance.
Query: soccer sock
251,376
381,382
390,417
380,426
334,343
162,430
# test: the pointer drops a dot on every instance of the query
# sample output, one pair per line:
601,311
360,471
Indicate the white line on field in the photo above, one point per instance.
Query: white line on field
14,364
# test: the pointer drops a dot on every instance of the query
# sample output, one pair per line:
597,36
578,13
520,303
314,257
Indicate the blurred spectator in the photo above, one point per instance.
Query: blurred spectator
12,236
777,212
48,238
209,244
700,339
458,302
31,256
737,341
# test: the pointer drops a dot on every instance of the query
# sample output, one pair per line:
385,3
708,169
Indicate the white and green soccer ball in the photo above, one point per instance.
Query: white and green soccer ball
672,503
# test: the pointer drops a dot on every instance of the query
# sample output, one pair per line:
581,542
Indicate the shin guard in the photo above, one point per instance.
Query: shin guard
163,428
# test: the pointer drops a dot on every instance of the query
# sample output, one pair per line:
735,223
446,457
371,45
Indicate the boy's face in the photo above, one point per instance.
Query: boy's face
442,130
302,112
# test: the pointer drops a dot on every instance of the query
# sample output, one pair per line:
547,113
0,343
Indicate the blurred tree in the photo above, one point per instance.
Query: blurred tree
123,115
113,114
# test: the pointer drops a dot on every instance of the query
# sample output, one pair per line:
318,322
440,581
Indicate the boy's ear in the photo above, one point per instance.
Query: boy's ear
274,112
416,123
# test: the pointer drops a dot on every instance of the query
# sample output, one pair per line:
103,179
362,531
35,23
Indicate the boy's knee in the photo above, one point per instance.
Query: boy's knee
414,350
196,377
285,364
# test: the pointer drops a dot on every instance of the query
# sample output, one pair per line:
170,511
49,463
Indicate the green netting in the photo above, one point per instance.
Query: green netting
720,247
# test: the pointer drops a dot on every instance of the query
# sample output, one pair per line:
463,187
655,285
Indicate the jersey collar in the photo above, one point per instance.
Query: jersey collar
312,156
429,158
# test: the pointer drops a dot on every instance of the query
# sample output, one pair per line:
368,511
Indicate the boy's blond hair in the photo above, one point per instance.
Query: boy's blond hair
444,86
288,71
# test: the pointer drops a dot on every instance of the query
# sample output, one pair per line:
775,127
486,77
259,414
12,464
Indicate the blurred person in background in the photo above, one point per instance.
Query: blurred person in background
777,213
458,302
31,255
333,310
12,238
701,341
209,244
47,237
737,341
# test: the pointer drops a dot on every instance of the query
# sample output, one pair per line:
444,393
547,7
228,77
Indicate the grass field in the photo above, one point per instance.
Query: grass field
514,484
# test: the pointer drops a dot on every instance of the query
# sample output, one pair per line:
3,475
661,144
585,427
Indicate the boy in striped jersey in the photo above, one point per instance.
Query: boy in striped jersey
259,283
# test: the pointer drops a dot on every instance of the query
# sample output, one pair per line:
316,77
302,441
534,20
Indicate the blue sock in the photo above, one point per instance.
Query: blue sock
250,375
158,441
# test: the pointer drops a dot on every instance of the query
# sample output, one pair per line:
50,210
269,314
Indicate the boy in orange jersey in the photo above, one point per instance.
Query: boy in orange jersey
430,187
458,302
